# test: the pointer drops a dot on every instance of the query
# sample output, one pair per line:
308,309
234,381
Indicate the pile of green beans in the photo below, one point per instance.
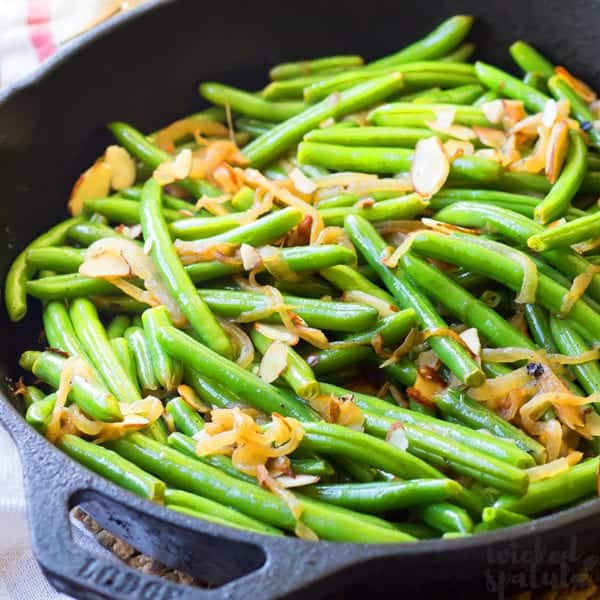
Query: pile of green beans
407,345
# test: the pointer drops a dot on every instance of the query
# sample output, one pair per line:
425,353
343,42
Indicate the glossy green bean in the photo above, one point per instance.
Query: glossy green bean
196,228
143,358
186,419
378,497
443,39
477,416
15,293
194,476
60,259
446,517
113,467
59,329
174,275
122,211
167,371
244,383
181,207
509,86
87,232
90,395
117,326
461,54
403,137
539,327
462,94
268,146
39,413
530,60
569,342
566,234
496,518
385,161
315,65
452,354
125,357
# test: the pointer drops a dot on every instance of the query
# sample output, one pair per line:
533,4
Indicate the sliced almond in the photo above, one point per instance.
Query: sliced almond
514,111
583,90
396,436
277,333
122,165
301,182
595,108
274,362
250,257
445,117
527,125
457,148
493,111
492,138
298,480
489,153
93,183
430,166
456,131
556,151
174,170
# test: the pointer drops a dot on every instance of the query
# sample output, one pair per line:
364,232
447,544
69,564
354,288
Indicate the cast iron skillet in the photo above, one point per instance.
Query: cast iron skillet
144,68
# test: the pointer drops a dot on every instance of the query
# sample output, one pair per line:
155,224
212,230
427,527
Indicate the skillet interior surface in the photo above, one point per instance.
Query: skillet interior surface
144,68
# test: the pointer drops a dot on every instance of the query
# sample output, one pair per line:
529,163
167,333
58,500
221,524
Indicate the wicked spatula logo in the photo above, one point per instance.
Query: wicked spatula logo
512,569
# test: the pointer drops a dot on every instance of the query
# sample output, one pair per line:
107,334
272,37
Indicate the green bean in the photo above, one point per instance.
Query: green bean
90,395
569,342
509,86
293,89
186,419
253,127
276,141
530,60
547,494
489,96
39,413
174,275
168,372
204,508
118,325
463,304
390,330
312,466
477,416
539,327
61,259
417,530
181,207
405,207
463,94
86,232
496,518
334,316
452,354
125,357
203,227
461,54
194,476
141,352
404,137
123,211
59,329
297,373
463,252
475,458
519,230
419,114
244,383
243,199
560,89
96,344
443,39
568,183
418,75
446,517
15,294
536,81
71,285
380,497
336,440
144,150
355,470
566,234
308,286
315,65
390,161
248,104
113,467
348,279
31,395
211,392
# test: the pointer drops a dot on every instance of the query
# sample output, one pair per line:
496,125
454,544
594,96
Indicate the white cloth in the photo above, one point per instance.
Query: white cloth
30,32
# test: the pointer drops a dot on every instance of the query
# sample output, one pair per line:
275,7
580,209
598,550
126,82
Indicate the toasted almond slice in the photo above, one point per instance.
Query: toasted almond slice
456,131
430,166
122,165
550,113
396,436
182,164
494,111
514,111
297,481
250,257
595,108
457,148
277,333
583,90
274,362
493,138
489,153
445,117
301,182
556,151
527,125
93,183
509,151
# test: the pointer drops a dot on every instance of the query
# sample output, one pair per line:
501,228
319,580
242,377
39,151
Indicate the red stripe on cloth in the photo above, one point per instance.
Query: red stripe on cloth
40,34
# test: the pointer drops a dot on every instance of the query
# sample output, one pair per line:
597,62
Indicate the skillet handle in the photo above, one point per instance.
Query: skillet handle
239,563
